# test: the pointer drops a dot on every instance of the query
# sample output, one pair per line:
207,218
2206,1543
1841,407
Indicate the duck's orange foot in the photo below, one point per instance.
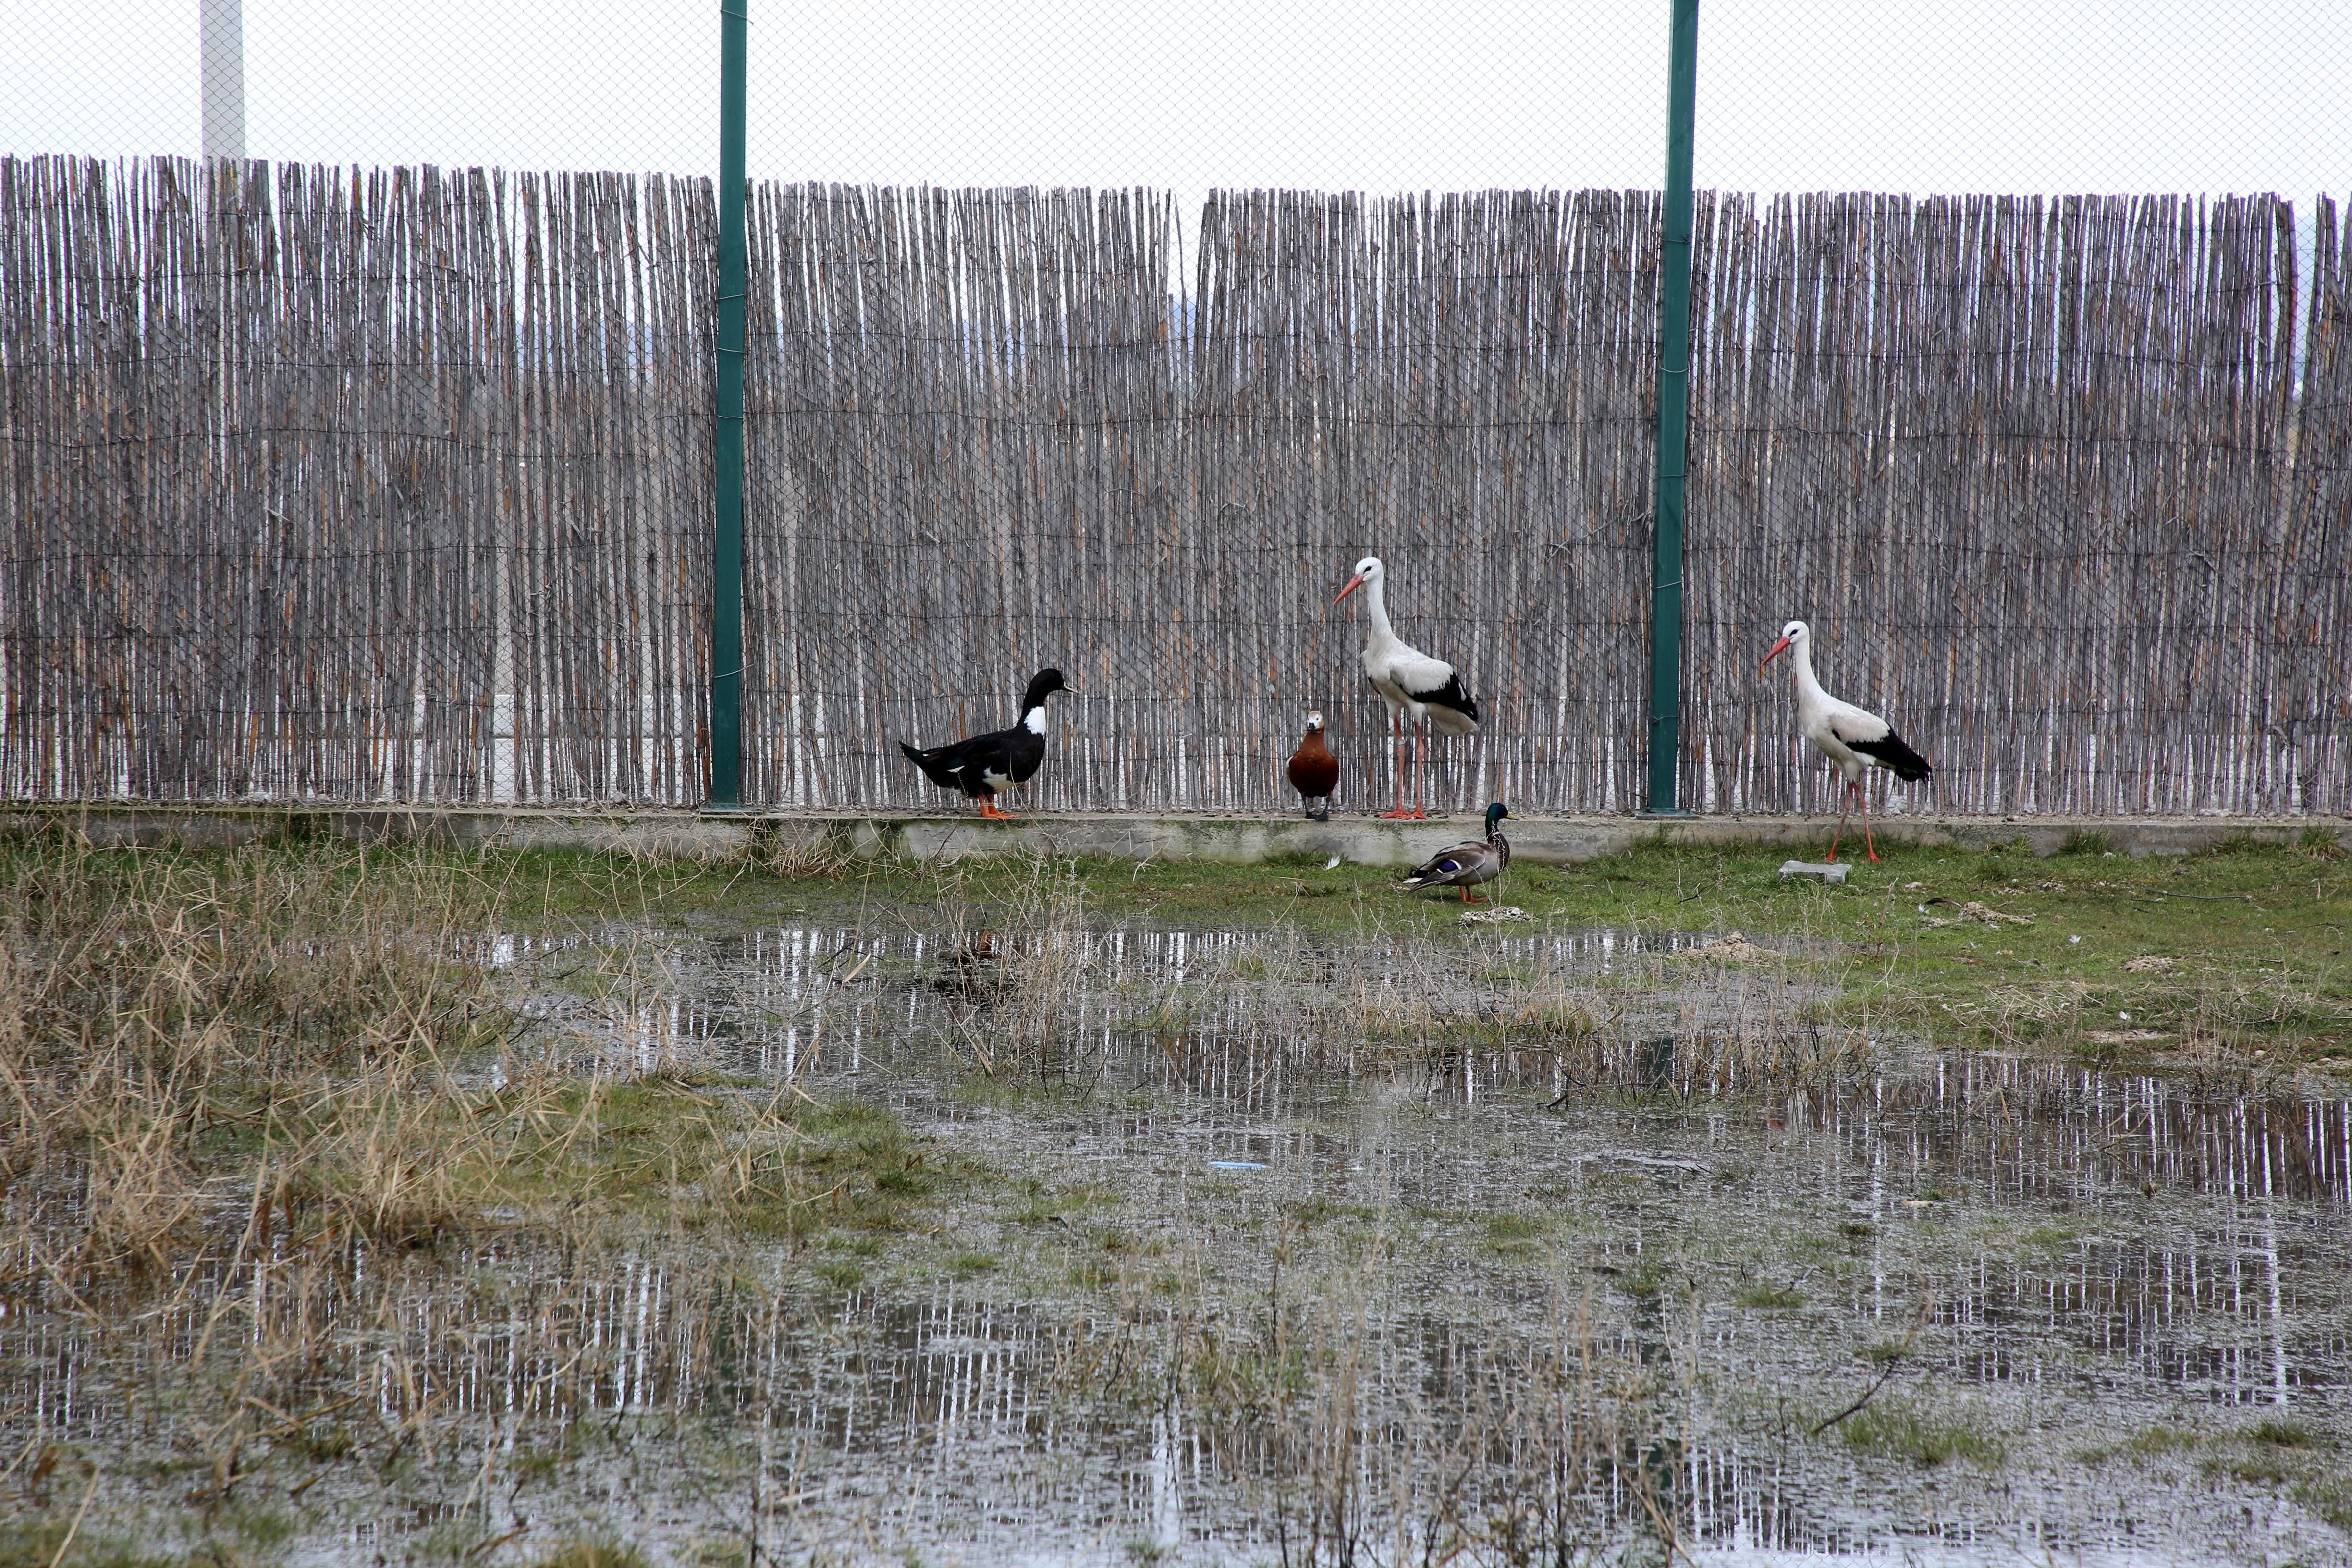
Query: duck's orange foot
994,813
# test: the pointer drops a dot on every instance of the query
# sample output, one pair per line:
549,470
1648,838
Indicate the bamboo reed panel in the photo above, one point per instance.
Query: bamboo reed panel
2028,468
991,434
395,485
351,485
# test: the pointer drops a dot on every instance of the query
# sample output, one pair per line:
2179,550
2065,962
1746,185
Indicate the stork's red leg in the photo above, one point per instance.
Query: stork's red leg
1396,765
1420,771
1862,791
1831,859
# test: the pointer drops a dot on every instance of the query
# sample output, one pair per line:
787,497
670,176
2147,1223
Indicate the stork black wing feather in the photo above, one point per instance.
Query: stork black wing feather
1452,695
1890,753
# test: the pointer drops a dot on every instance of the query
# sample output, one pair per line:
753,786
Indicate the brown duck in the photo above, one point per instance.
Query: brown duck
1313,771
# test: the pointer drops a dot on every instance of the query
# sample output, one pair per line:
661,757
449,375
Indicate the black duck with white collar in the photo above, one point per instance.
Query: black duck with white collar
985,764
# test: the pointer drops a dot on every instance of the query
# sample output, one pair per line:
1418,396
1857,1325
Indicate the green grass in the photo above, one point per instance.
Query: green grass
1769,1296
594,1551
2283,1435
37,1546
2330,1498
1895,1429
2254,935
549,1147
2263,1466
2286,1453
1515,1235
671,1152
2148,1443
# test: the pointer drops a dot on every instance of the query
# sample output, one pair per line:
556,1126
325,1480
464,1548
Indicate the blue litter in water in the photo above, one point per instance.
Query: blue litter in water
1236,1165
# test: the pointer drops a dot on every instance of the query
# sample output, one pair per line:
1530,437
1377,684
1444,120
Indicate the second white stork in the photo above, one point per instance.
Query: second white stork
1415,686
1854,739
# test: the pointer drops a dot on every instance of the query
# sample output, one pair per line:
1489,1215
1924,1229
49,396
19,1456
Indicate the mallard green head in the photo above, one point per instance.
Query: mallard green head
1495,815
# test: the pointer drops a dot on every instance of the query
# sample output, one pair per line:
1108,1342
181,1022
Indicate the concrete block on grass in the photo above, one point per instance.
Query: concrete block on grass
1834,874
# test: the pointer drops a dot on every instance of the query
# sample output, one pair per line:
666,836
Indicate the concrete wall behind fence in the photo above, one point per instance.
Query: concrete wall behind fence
394,486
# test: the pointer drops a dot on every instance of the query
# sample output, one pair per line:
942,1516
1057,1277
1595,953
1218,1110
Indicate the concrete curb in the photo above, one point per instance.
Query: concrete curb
717,836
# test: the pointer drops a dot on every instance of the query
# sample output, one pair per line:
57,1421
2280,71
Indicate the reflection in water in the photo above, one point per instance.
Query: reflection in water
2138,1238
2131,1240
771,993
1164,1009
2070,1255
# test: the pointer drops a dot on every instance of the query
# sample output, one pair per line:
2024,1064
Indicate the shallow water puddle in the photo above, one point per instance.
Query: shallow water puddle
1272,1249
2096,1317
777,1001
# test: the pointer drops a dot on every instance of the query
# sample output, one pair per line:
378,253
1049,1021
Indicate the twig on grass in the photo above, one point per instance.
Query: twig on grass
1893,1360
75,1529
1868,1395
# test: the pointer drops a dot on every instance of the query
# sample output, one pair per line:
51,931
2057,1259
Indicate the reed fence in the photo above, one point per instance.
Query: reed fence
395,485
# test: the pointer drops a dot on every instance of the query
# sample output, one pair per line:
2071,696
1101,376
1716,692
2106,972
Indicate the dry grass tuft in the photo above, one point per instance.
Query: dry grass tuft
164,1016
249,1100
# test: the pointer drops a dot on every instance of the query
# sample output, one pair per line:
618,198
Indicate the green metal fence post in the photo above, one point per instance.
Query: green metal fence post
1673,419
727,543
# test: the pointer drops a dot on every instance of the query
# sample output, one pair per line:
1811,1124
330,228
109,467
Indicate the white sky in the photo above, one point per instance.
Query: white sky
1898,95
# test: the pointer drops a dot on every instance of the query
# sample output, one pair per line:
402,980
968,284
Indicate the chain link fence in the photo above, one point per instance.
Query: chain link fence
370,459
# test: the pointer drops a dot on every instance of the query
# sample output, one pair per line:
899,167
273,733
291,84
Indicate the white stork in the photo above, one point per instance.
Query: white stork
1415,686
1854,739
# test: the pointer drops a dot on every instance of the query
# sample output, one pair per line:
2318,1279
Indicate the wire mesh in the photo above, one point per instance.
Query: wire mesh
376,464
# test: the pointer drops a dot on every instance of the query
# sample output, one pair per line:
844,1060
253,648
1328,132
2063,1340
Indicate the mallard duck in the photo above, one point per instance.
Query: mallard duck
1854,739
1466,864
987,764
1313,771
1415,686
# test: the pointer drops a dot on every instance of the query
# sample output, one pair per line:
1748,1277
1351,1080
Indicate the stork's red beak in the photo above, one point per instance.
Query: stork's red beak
1778,649
1354,582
